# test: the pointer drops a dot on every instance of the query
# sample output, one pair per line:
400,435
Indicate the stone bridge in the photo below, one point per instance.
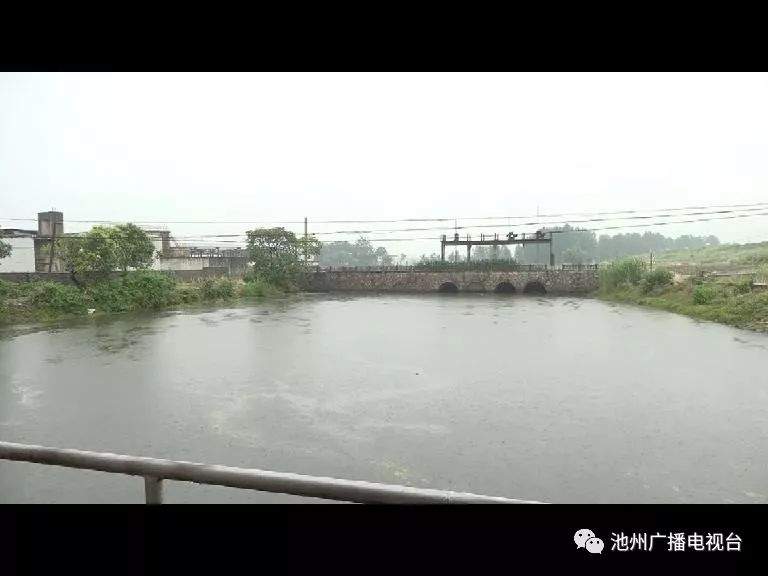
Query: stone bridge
541,281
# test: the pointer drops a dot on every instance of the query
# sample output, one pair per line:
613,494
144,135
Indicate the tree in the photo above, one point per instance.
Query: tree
491,253
135,248
574,255
95,251
361,253
571,245
278,256
382,258
5,249
104,249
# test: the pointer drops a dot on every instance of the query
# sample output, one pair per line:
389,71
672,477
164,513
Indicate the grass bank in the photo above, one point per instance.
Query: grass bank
722,257
141,290
735,303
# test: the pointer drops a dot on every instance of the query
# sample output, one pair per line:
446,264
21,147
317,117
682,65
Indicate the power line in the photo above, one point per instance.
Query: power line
390,221
205,239
475,226
620,227
643,225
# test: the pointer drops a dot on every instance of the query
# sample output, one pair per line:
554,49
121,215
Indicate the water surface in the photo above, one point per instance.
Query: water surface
553,399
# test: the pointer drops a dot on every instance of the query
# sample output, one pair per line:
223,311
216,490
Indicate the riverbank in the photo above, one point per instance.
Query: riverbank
724,257
141,290
733,304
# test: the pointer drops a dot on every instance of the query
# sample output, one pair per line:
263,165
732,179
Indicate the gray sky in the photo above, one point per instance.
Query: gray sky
255,147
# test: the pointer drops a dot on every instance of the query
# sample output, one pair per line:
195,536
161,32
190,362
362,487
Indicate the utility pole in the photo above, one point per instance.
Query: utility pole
651,262
306,257
551,255
455,232
538,261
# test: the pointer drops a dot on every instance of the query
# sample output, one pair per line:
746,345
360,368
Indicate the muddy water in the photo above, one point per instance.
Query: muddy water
553,399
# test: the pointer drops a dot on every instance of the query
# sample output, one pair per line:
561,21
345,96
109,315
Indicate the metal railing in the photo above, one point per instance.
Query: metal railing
482,266
155,470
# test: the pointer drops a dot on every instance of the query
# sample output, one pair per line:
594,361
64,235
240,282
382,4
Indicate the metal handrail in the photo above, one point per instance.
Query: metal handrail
156,470
461,267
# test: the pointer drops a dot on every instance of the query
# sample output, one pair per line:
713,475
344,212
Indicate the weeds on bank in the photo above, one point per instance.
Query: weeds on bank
140,290
731,302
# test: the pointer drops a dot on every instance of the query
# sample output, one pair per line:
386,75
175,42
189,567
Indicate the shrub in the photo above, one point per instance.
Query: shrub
703,294
55,297
147,289
743,287
217,288
5,289
109,296
622,272
256,286
656,279
133,291
186,294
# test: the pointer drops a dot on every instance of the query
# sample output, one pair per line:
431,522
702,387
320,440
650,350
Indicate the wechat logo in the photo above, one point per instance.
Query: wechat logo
585,538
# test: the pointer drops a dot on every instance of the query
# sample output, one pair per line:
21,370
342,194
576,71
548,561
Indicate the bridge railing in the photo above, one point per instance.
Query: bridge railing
448,267
155,471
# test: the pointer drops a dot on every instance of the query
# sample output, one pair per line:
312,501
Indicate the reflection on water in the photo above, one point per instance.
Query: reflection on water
553,399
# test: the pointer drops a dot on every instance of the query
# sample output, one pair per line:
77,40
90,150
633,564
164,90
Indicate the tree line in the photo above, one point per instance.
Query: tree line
279,256
573,246
359,253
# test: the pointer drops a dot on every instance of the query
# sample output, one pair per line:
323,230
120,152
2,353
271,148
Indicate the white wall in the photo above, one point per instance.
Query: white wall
158,244
22,258
180,263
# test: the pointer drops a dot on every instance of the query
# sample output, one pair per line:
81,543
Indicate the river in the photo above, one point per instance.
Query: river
554,399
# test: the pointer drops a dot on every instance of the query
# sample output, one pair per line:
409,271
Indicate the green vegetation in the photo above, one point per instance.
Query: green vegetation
703,294
217,289
104,249
732,302
279,258
361,253
254,286
39,300
134,291
656,280
139,290
722,257
5,249
574,246
622,273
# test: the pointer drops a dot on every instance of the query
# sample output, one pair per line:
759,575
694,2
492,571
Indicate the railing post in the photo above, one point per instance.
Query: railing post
153,490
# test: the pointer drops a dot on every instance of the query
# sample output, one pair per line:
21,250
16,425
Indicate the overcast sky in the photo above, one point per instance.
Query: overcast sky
257,147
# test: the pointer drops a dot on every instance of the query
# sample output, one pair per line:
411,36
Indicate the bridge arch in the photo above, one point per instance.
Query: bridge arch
505,288
449,287
534,287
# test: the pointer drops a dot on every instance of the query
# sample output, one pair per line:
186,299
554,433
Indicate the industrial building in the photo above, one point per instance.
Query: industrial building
31,251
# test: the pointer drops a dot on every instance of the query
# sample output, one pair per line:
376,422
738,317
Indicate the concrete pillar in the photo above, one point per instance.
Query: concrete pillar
442,251
50,224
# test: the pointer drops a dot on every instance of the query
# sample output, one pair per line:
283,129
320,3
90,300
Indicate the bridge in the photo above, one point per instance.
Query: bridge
533,279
